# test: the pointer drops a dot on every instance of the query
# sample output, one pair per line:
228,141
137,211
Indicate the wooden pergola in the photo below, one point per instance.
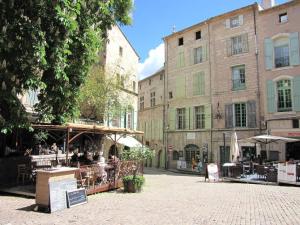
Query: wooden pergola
74,130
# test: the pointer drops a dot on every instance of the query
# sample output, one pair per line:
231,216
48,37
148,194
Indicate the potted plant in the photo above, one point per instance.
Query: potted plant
133,183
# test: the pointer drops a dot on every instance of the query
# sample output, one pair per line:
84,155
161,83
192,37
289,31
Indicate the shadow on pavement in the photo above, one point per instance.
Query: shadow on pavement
156,171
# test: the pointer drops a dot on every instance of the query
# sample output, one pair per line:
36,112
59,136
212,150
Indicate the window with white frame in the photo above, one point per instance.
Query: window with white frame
198,58
152,99
284,95
142,103
199,117
281,52
283,17
240,115
238,77
234,22
181,119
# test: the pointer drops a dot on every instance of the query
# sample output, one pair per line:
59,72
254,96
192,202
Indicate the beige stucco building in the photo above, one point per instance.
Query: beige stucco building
151,115
278,43
236,72
121,60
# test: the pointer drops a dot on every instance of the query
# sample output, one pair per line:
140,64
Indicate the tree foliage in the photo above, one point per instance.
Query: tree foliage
49,46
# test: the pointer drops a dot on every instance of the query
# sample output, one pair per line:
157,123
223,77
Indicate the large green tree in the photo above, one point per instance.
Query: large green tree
49,46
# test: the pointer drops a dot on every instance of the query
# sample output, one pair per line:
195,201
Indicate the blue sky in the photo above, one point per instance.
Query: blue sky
154,19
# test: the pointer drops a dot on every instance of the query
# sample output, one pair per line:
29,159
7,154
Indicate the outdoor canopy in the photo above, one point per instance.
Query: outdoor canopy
267,139
128,141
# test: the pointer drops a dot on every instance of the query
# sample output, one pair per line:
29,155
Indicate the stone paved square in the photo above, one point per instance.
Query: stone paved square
170,198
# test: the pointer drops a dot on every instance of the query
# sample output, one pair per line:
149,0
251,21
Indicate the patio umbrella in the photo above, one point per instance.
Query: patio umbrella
267,139
234,147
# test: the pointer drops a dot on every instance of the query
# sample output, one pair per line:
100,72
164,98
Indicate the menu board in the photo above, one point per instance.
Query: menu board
76,197
58,189
213,172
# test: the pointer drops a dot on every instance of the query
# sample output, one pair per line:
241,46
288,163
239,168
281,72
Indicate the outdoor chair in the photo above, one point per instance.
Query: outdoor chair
23,173
261,171
80,180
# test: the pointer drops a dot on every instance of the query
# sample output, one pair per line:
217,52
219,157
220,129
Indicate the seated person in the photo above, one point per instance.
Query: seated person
85,158
74,159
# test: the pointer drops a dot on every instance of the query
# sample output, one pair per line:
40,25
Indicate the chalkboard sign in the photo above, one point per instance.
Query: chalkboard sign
76,197
58,198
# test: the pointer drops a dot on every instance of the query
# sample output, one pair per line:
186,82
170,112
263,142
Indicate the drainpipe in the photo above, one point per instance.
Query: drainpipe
257,68
165,114
210,92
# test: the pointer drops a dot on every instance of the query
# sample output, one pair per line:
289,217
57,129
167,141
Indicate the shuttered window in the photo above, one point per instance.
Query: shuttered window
240,115
152,99
284,96
281,52
142,103
181,118
181,61
199,117
238,78
199,83
198,56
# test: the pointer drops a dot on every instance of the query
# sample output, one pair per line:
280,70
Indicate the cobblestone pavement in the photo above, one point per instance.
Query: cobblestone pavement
170,198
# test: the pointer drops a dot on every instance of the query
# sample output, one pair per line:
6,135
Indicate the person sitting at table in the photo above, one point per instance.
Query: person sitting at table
85,158
74,159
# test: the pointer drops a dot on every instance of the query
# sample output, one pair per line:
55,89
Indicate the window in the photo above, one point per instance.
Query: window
238,77
234,22
161,77
281,52
140,86
142,103
237,45
170,94
120,51
180,41
133,85
181,119
283,17
284,96
240,115
129,120
198,58
152,99
199,117
198,35
295,123
175,155
149,81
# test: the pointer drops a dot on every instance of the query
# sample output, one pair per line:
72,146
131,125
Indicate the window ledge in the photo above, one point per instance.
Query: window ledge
282,68
284,113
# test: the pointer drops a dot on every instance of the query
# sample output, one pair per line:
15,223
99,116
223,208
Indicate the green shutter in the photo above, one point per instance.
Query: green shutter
229,116
269,53
294,45
195,84
180,86
172,119
208,116
204,53
187,118
296,93
192,114
201,83
271,96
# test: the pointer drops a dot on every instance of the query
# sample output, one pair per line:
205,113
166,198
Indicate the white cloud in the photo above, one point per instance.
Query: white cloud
153,63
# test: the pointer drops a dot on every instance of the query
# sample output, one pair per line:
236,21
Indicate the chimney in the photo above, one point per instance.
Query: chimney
266,4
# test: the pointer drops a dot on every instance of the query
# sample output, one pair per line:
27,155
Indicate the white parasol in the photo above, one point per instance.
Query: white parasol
234,147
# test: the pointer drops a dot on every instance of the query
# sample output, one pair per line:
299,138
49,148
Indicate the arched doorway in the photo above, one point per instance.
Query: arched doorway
113,150
191,152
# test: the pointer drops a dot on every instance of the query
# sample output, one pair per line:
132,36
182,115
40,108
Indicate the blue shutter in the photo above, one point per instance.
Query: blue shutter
296,93
271,96
269,53
294,45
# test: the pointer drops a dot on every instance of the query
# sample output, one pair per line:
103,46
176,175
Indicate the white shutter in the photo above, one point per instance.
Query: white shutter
241,20
227,23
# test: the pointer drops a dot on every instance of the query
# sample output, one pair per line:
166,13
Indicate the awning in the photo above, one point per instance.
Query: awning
128,141
267,139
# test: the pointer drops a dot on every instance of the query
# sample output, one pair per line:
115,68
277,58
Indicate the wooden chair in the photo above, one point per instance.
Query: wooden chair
90,177
80,180
23,172
261,171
